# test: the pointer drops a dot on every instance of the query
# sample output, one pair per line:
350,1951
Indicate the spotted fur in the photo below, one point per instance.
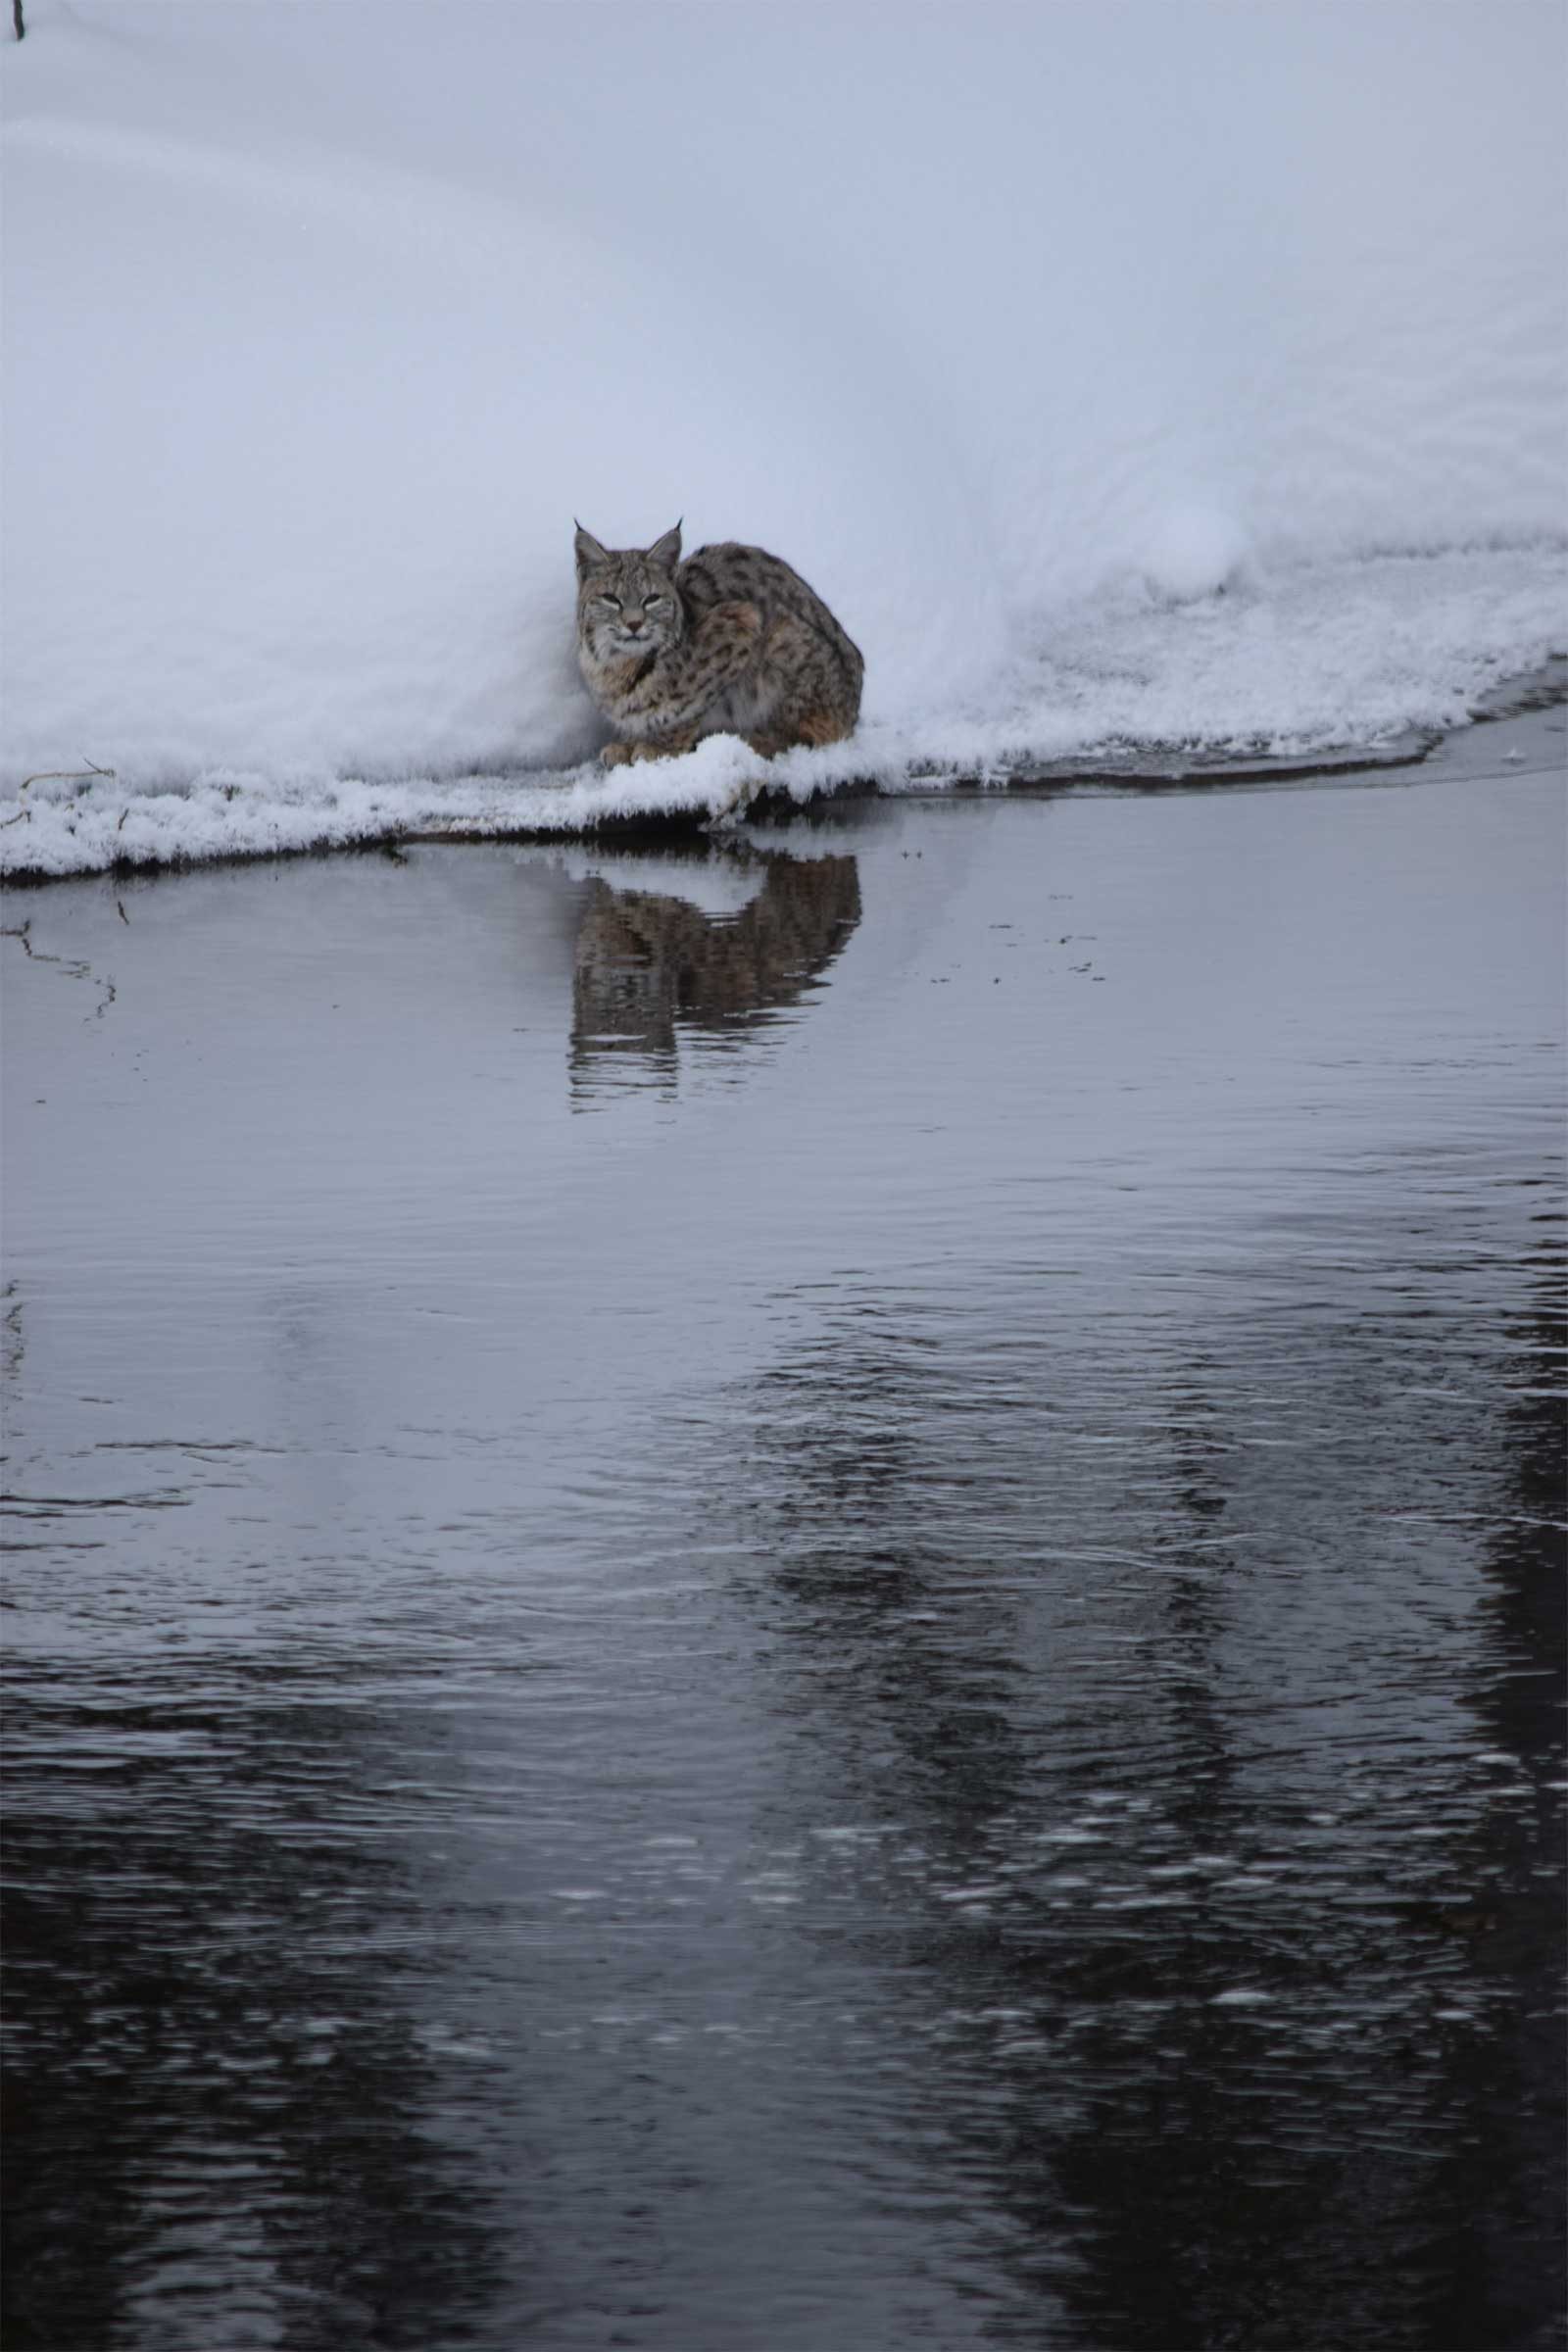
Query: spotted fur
730,641
648,965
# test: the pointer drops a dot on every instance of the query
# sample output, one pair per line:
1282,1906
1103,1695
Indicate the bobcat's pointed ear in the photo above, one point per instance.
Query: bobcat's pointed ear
589,552
666,552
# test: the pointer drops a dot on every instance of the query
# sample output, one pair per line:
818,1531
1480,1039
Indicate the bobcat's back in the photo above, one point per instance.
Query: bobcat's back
729,573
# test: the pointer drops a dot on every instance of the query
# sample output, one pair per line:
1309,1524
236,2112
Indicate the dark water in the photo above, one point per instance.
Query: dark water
803,1597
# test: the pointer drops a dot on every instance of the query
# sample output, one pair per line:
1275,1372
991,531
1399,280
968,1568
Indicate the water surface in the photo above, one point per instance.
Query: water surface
798,1596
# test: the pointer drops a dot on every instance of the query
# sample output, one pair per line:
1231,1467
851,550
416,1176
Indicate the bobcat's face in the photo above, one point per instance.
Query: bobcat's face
626,600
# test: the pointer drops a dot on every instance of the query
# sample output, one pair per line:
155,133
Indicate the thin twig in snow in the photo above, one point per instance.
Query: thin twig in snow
68,775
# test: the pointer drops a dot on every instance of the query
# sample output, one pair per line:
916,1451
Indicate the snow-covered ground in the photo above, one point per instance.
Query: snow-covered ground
1169,372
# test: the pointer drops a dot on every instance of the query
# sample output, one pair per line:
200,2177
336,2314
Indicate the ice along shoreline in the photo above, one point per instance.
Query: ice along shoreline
83,832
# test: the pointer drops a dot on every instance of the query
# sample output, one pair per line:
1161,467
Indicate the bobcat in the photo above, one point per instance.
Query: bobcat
648,966
730,641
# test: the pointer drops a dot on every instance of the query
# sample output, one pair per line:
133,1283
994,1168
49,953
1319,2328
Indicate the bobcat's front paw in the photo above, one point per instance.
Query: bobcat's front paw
662,747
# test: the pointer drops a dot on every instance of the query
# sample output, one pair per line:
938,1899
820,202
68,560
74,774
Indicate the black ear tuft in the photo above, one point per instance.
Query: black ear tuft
666,552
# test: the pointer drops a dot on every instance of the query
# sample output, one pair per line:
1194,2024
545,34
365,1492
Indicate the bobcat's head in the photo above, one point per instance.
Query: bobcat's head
627,599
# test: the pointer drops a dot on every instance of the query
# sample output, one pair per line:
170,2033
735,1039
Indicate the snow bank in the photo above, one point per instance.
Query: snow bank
1333,656
1022,332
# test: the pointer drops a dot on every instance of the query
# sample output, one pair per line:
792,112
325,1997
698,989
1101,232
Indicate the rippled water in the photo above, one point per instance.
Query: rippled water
798,1596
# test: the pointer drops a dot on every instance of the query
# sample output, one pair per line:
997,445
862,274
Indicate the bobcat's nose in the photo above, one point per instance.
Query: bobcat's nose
633,628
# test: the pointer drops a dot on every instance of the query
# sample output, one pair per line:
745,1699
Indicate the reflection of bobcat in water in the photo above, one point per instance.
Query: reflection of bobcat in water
730,641
645,961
